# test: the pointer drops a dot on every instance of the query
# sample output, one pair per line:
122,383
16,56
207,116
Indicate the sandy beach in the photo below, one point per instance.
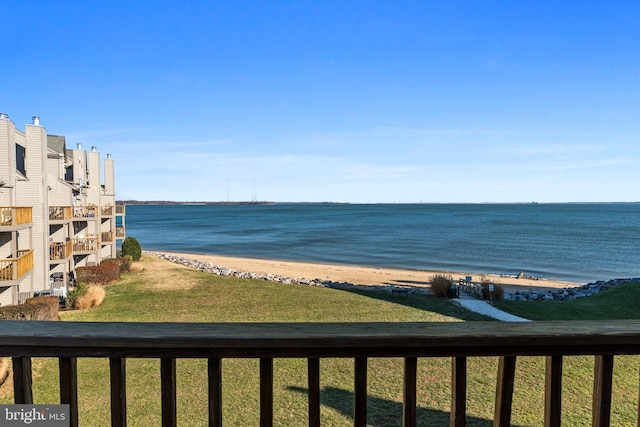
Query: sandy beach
363,275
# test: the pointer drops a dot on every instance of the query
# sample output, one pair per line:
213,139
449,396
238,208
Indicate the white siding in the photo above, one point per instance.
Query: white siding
34,193
5,296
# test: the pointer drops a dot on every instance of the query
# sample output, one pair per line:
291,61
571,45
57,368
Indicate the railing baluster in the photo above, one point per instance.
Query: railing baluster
458,392
22,380
313,372
266,392
553,391
504,391
117,367
360,392
69,386
602,386
409,395
168,391
215,392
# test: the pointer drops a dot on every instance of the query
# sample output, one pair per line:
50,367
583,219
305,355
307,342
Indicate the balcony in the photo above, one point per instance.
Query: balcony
15,217
106,237
214,342
107,210
85,212
121,210
60,213
120,232
60,251
85,244
15,268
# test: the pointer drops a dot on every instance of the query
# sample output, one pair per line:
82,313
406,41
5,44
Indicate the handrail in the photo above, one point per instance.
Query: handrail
60,251
24,296
107,210
106,237
85,244
13,215
25,262
85,211
15,268
265,341
60,213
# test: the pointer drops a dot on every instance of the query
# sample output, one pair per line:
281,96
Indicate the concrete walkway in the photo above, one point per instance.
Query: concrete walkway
476,305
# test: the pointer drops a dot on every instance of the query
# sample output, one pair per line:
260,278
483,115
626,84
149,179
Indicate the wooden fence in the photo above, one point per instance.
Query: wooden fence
265,341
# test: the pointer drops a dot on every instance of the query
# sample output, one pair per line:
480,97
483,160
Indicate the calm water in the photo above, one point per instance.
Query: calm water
576,242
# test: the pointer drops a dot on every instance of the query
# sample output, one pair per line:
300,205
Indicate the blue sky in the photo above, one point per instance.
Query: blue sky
346,101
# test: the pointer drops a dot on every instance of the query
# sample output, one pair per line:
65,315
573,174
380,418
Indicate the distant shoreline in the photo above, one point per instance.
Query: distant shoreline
266,202
169,202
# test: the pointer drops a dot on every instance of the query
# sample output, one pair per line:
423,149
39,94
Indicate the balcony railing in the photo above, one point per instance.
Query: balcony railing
60,251
106,237
107,210
24,296
120,209
85,211
85,244
120,232
15,268
60,213
12,216
265,341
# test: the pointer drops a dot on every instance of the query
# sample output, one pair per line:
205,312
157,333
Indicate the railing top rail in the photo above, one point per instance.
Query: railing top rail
86,339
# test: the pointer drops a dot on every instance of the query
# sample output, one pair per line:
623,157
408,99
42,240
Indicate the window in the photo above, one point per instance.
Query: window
68,174
20,159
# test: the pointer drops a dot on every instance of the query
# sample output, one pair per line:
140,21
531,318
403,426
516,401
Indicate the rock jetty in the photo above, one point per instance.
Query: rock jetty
566,294
208,267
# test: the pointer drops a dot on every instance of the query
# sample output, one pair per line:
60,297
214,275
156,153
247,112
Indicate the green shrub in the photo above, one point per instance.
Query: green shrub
130,246
440,285
80,290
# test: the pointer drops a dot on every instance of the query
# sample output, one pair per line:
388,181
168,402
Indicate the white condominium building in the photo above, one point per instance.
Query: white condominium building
57,210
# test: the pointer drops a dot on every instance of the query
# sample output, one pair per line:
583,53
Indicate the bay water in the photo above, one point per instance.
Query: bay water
579,242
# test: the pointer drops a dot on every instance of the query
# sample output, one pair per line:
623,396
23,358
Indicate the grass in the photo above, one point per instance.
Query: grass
161,291
620,302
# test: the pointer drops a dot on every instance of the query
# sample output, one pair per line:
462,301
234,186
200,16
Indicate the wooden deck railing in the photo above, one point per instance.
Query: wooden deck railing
60,213
120,209
106,237
107,210
15,268
313,341
60,251
85,211
12,216
120,232
85,244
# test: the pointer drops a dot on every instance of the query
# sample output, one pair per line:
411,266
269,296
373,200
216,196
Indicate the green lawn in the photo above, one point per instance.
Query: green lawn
620,302
141,296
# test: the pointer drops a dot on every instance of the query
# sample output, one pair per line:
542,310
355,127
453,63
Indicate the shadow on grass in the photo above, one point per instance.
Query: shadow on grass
383,412
443,306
